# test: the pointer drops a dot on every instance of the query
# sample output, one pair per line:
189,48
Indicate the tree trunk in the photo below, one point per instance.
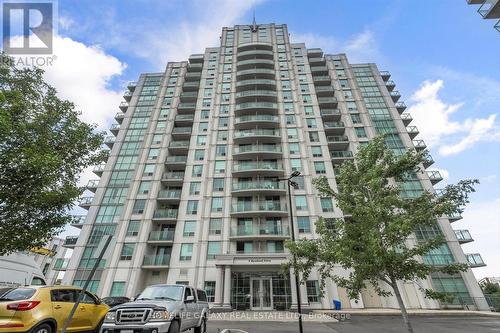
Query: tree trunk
402,307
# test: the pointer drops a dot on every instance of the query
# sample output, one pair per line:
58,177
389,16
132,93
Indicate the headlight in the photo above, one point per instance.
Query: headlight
160,316
110,317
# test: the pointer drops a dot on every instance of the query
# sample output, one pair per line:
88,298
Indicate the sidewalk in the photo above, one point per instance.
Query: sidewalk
385,312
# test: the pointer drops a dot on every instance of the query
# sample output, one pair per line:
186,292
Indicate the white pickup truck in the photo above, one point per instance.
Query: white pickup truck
160,308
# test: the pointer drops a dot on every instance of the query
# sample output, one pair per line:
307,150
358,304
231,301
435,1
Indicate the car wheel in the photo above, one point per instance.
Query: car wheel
44,328
202,328
174,327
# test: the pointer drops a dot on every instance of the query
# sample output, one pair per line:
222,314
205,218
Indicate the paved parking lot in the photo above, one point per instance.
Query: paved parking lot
363,324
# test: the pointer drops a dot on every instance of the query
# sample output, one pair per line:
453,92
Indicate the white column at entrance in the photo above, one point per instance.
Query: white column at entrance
218,286
293,290
303,294
227,287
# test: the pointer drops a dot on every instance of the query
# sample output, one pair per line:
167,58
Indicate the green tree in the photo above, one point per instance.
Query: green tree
372,240
43,149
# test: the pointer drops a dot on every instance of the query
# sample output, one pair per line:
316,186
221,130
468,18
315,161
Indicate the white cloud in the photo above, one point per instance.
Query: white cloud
432,116
483,221
82,74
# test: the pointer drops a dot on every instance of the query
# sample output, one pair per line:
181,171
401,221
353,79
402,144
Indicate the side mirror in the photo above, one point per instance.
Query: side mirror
189,299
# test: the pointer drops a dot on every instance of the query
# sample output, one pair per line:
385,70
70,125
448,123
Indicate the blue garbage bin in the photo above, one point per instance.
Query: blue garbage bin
337,304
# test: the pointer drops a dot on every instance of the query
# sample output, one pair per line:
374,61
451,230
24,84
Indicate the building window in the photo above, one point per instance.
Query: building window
296,164
192,207
308,110
204,114
213,249
144,187
300,182
220,167
218,184
153,153
215,226
293,148
199,154
197,170
311,123
313,136
326,205
356,118
117,289
304,224
316,151
360,132
186,252
221,150
149,170
223,121
290,119
300,202
222,135
210,291
319,167
189,229
139,205
292,133
194,188
217,204
127,251
203,127
133,228
201,140
312,287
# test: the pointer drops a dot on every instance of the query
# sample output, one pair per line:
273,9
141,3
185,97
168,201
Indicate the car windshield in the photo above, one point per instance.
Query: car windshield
17,294
173,293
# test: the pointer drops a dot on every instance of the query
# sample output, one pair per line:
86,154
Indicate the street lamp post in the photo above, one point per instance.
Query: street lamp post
291,183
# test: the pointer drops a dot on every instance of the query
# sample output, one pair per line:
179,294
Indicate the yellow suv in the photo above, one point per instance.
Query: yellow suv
44,309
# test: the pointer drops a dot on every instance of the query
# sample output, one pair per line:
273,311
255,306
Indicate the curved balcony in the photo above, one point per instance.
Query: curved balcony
191,86
317,61
256,84
255,46
325,91
184,119
181,132
259,208
176,162
334,127
186,107
255,63
257,168
252,151
330,114
255,54
341,156
155,261
260,134
252,120
256,106
252,95
261,232
169,195
262,73
179,146
322,80
161,236
265,187
188,96
338,142
320,70
173,177
327,102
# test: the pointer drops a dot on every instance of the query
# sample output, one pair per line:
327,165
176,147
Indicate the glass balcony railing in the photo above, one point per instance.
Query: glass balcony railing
123,106
92,184
333,125
70,240
156,260
189,95
86,201
256,105
173,175
327,100
475,260
131,85
114,127
99,168
78,220
329,112
179,144
256,117
463,236
341,154
260,231
258,185
186,106
182,130
254,71
256,132
162,235
266,62
251,206
165,214
434,176
176,159
184,117
337,138
257,149
261,251
246,166
322,78
169,194
256,93
324,89
486,8
385,75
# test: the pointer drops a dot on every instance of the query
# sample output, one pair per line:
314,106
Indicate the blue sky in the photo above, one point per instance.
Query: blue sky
442,55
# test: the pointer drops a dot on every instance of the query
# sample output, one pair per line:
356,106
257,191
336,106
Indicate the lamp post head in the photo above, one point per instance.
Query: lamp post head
296,173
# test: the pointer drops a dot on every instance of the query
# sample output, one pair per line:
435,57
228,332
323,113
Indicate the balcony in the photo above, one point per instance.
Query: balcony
256,106
265,187
119,117
339,156
454,217
169,195
259,208
434,176
61,264
127,95
176,161
330,114
324,91
489,9
109,141
335,128
115,128
258,232
255,54
258,167
85,202
252,95
184,119
156,261
123,106
338,142
161,236
179,147
196,58
250,121
390,85
197,67
186,107
400,106
257,63
173,177
181,132
70,242
406,118
322,80
463,236
419,144
78,221
319,70
474,260
131,85
191,86
315,53
317,61
99,169
428,161
260,134
257,84
257,73
192,76
92,185
412,131
264,150
188,96
395,95
255,46
385,75
327,102
165,214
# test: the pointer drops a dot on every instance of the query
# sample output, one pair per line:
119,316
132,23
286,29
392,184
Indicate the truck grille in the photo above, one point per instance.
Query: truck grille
132,316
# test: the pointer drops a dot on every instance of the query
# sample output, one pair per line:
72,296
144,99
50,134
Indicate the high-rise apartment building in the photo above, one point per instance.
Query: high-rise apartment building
190,193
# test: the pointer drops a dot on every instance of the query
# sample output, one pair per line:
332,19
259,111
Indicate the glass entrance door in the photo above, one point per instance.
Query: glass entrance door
261,292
